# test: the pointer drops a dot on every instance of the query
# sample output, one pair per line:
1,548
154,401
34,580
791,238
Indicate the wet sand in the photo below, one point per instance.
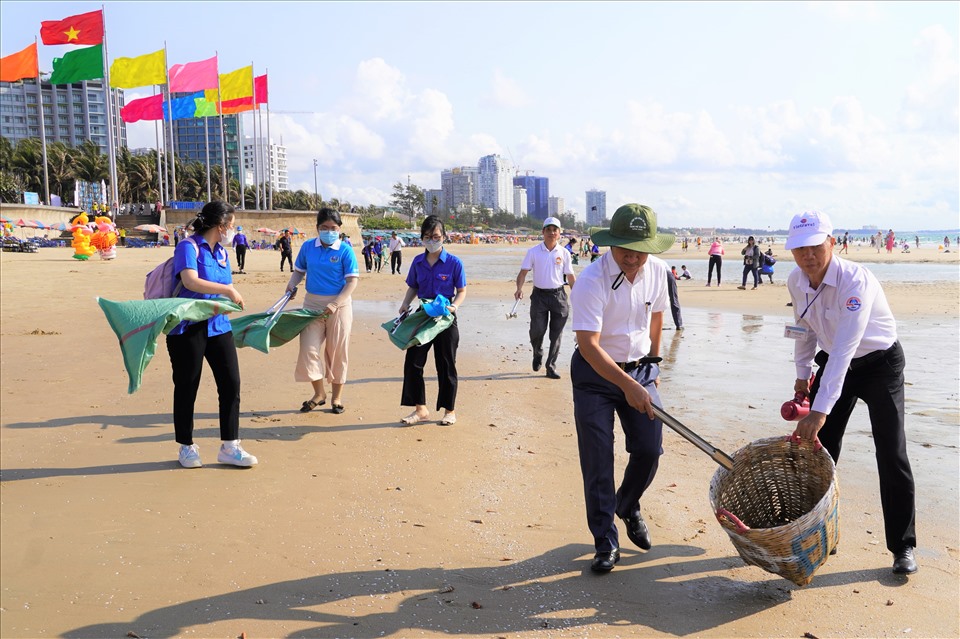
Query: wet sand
353,526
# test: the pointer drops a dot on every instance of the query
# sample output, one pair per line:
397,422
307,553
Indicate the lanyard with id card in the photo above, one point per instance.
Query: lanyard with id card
795,331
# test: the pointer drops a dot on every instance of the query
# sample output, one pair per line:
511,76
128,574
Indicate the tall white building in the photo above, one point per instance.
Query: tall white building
555,206
519,201
272,164
495,183
596,207
459,186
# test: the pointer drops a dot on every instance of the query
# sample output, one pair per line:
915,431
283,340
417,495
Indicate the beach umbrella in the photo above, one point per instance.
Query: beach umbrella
6,220
267,231
60,226
40,225
150,228
26,223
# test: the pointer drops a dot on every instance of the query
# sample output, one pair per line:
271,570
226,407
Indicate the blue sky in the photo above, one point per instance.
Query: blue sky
712,113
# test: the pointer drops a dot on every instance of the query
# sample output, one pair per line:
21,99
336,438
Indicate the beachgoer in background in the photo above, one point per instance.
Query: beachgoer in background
768,260
240,244
840,306
673,271
332,274
378,253
674,296
699,241
367,253
946,243
549,308
618,306
123,236
203,266
286,250
891,240
396,257
434,272
684,273
751,261
594,253
716,259
916,239
843,243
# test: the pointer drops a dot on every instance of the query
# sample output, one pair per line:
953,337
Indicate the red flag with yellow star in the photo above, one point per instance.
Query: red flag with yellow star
83,28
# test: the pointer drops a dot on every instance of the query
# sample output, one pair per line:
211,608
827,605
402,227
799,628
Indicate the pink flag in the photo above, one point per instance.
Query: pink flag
194,76
143,109
260,89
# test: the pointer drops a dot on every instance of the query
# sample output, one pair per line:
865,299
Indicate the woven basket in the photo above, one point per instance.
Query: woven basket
780,506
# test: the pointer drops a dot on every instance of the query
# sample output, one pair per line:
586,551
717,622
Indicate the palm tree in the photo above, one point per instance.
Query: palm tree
60,168
27,162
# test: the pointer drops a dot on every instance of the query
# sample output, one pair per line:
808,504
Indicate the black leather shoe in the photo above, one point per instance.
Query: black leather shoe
604,560
637,531
903,561
537,360
553,374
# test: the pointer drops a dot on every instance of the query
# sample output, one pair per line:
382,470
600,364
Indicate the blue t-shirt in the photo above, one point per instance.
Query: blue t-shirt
327,267
211,264
443,278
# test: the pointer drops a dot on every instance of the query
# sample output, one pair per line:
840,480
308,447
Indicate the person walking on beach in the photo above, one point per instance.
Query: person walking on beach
367,253
674,295
840,306
378,253
286,250
891,240
434,272
203,267
240,244
716,259
552,266
844,247
751,261
332,274
396,257
618,306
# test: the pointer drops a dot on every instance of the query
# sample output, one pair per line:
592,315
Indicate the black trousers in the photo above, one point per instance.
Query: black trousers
445,356
187,352
715,260
288,257
548,308
879,383
241,256
395,258
595,400
368,261
750,268
674,300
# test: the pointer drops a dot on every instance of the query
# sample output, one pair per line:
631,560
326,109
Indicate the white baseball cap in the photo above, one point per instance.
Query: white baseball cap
552,221
809,228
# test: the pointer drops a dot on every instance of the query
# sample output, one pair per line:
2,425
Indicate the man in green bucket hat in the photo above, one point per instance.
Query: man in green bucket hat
618,306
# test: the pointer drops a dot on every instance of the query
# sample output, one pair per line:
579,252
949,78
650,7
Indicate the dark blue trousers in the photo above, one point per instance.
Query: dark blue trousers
595,401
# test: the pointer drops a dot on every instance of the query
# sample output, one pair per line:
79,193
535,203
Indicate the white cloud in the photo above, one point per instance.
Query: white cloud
505,92
931,102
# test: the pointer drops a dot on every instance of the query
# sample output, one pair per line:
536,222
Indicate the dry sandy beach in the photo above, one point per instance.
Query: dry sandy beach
354,526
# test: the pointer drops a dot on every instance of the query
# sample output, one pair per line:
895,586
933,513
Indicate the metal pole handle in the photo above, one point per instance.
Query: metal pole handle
715,453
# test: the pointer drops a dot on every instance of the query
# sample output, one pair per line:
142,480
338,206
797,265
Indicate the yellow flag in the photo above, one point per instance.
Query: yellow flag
128,73
236,84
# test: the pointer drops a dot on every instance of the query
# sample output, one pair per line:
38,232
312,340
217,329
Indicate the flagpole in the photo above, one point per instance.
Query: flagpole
256,147
243,171
156,134
269,150
172,160
223,146
259,153
206,148
112,155
43,128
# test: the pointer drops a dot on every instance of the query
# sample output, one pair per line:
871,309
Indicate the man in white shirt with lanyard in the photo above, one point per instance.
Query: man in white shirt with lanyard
840,306
618,307
551,265
396,256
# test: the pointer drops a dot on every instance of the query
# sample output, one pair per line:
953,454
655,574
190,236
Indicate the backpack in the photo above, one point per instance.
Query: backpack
161,282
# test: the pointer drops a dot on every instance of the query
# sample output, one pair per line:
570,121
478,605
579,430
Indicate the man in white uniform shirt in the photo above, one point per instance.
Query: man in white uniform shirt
396,256
551,265
839,306
618,307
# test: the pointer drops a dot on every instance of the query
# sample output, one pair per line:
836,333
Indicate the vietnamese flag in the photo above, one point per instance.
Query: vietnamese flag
20,65
83,28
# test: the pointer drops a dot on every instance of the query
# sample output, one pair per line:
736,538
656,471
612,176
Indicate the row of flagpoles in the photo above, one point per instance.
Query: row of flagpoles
211,94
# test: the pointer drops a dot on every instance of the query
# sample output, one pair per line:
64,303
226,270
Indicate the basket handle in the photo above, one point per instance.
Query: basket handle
796,439
723,513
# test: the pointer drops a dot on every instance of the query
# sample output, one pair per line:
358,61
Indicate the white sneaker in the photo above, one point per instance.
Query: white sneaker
190,456
235,455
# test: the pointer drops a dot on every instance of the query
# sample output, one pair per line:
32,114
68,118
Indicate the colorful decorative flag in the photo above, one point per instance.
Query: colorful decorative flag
20,65
183,108
193,76
260,89
128,73
143,109
83,28
236,106
205,108
81,64
236,84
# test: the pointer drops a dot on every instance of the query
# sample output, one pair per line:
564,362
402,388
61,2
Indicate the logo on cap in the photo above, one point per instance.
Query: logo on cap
639,223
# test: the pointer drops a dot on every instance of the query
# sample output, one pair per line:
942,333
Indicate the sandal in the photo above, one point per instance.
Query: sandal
309,405
337,408
413,418
448,420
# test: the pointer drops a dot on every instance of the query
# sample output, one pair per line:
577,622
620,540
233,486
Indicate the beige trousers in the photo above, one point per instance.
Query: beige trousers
324,344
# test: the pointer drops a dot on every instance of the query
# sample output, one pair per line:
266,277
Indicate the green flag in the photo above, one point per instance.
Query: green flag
205,108
82,64
138,323
259,331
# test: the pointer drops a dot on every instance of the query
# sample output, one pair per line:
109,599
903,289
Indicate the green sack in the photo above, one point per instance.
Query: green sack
263,330
416,329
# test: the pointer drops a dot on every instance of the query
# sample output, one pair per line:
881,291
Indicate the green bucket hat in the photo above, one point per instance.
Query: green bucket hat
634,227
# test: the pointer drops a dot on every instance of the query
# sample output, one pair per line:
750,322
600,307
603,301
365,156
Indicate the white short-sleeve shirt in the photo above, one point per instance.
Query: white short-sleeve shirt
550,267
622,316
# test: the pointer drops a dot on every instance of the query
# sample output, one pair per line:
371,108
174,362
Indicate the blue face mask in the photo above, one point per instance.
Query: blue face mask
329,237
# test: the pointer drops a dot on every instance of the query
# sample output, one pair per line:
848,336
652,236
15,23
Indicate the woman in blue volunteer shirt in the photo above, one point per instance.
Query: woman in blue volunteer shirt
433,272
332,275
203,266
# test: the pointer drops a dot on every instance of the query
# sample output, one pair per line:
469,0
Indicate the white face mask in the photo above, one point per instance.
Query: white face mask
432,246
226,237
